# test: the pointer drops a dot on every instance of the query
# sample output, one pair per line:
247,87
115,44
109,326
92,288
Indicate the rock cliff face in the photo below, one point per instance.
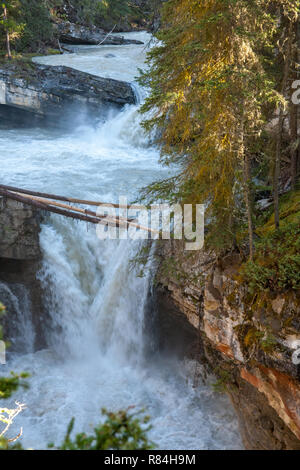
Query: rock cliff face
53,95
249,341
20,258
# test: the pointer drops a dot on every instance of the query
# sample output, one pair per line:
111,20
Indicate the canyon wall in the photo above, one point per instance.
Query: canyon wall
250,342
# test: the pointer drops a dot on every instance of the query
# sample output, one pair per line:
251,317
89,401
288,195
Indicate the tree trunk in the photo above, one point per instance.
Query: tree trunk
294,119
287,65
294,142
277,166
247,195
7,34
294,112
247,187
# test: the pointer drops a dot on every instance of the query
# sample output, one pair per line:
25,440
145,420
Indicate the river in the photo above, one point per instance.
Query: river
96,301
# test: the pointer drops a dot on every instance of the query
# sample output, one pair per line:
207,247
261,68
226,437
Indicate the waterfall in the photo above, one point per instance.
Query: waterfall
18,319
96,301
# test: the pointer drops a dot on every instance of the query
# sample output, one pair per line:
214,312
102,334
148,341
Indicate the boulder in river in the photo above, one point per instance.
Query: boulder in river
71,33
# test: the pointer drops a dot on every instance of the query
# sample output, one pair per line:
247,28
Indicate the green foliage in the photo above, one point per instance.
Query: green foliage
276,265
268,342
12,22
120,431
141,259
263,339
115,9
224,380
9,385
6,445
29,22
38,29
214,83
95,11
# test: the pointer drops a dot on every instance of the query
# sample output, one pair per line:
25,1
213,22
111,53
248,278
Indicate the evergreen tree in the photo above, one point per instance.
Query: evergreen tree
289,22
92,11
27,25
212,93
38,29
10,22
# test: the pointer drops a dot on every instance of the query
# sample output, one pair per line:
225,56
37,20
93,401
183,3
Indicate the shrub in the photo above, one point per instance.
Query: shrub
277,262
38,29
120,431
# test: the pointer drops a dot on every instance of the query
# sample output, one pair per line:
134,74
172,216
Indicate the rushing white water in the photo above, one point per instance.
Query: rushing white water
16,300
120,63
96,356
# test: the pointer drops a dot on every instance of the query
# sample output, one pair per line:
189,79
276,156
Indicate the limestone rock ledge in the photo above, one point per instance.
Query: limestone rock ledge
248,343
57,95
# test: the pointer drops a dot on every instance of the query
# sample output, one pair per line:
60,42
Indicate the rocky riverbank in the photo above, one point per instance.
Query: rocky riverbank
71,33
248,344
44,95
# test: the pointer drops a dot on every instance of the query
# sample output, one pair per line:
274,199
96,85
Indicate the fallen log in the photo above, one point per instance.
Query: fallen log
72,208
48,208
101,42
114,220
69,199
73,212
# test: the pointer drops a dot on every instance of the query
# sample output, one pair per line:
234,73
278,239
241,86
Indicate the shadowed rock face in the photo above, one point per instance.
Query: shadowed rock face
52,95
20,260
263,382
71,33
